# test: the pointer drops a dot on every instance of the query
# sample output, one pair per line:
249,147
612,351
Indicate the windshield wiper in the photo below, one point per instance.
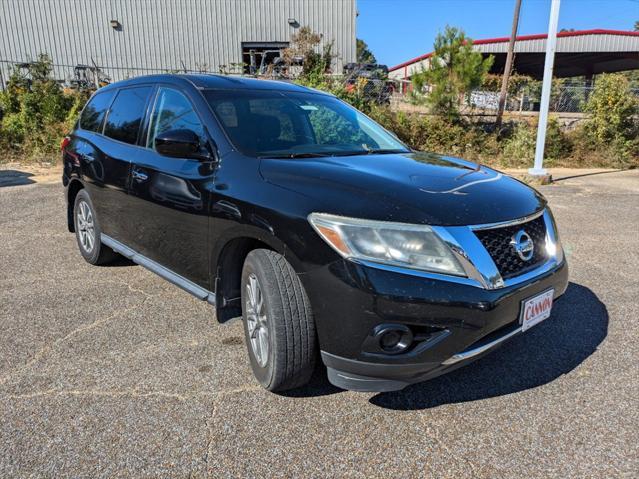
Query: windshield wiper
385,151
378,151
296,155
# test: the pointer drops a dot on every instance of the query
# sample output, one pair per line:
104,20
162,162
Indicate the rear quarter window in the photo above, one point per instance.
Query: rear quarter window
94,111
126,113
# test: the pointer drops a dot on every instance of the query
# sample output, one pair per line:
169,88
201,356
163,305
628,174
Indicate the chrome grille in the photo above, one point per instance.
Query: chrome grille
497,243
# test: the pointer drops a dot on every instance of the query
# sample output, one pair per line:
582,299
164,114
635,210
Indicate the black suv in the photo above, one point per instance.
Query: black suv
329,236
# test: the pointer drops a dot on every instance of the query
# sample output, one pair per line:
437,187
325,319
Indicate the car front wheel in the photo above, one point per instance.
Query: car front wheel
278,322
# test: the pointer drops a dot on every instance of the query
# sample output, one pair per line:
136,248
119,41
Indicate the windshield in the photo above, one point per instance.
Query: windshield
275,124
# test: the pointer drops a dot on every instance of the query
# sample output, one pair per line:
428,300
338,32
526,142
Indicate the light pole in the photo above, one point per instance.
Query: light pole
551,45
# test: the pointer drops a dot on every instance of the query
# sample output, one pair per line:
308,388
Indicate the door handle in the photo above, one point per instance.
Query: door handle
139,176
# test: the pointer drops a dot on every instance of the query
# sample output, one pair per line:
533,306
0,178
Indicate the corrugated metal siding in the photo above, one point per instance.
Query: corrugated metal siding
160,35
576,44
408,70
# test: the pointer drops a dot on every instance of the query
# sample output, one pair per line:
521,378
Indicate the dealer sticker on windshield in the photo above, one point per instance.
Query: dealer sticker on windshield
536,309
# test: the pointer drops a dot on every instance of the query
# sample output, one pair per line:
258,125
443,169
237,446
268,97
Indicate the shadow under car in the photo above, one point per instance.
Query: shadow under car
578,324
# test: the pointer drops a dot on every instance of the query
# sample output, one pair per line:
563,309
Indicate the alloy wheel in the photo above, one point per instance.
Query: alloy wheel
256,320
86,226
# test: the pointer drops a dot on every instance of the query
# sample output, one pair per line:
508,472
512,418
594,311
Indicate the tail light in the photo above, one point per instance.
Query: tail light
64,143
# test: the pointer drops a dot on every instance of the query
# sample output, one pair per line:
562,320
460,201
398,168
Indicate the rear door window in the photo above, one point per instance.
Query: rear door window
93,113
126,113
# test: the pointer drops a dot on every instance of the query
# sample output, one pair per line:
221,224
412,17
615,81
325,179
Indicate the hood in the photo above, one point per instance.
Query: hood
409,187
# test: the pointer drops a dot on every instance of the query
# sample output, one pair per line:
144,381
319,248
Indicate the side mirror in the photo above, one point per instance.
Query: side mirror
181,143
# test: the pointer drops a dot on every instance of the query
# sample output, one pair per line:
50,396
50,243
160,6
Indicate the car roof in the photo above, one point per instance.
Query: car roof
207,81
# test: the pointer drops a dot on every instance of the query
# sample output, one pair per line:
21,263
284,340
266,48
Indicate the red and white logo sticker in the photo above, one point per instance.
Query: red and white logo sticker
536,309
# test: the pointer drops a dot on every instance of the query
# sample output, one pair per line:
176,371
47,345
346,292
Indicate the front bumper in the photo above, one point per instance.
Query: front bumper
453,323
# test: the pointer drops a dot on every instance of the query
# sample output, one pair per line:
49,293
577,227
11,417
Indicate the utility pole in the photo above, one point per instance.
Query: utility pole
551,46
509,65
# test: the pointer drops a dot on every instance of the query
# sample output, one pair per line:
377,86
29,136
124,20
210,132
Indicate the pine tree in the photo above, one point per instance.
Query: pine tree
454,70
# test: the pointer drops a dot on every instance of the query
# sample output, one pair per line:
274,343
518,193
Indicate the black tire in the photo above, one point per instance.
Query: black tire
96,253
292,350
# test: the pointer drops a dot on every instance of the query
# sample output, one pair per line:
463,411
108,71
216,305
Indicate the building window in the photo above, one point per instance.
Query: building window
259,56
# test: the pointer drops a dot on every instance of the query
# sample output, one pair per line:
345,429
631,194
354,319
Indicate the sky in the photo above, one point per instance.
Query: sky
398,30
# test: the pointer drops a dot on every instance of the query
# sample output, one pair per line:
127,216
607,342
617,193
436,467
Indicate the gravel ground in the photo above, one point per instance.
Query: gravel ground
111,371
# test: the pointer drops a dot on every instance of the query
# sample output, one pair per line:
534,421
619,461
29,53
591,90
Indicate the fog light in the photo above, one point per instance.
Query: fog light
393,338
390,339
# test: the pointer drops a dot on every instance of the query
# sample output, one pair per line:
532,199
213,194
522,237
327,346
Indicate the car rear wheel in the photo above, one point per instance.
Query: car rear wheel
88,232
278,322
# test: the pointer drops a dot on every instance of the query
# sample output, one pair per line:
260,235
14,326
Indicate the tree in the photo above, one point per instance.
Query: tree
303,51
612,107
364,55
453,71
637,26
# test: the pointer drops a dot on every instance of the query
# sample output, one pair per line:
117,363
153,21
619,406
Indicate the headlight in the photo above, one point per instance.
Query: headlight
397,244
553,243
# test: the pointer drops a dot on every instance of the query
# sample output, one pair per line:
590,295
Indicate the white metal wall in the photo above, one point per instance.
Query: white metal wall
162,35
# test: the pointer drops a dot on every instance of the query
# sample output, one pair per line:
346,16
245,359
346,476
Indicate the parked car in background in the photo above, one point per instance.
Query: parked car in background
332,239
375,78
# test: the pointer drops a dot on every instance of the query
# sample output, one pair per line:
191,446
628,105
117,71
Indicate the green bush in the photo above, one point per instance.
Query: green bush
36,113
613,123
473,142
519,148
559,145
432,133
587,153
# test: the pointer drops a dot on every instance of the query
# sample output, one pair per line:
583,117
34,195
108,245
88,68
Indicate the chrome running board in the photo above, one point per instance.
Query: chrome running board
180,281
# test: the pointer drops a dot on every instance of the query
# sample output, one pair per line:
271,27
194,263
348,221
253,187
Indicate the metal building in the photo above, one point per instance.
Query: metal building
127,38
582,52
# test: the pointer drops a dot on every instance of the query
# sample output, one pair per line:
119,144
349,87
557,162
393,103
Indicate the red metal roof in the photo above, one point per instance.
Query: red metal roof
537,36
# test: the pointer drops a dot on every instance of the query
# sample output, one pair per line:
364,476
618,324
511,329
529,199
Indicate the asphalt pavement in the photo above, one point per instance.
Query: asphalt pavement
113,372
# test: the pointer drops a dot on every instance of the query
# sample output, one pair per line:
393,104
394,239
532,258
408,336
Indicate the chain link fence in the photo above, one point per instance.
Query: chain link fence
82,76
368,81
563,99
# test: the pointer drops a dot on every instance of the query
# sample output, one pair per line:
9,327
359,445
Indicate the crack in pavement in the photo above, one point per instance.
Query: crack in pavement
136,394
209,435
98,282
48,347
208,421
98,392
131,288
